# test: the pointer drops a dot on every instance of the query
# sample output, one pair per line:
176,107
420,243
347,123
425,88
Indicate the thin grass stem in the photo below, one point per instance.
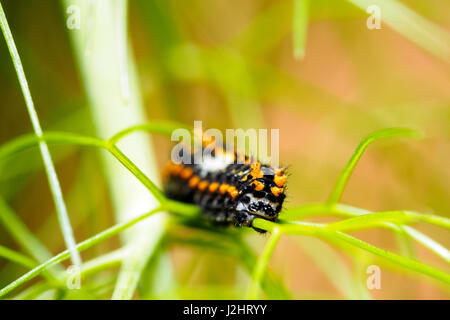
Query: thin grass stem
339,187
52,177
261,264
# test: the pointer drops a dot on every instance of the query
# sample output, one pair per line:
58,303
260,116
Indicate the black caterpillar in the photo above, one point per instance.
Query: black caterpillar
228,191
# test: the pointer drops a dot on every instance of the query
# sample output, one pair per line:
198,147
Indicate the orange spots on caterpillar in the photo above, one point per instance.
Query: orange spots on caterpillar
223,188
258,185
175,169
276,191
193,182
280,180
256,170
203,185
213,187
186,173
232,191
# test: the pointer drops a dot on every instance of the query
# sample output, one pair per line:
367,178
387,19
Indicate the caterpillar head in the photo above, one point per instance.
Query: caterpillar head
261,194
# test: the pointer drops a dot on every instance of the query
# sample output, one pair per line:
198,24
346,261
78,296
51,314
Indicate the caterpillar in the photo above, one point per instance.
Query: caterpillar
229,188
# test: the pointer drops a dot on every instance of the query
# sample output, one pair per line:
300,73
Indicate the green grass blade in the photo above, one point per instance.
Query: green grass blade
86,244
155,127
320,230
89,267
28,263
404,242
17,258
49,166
261,264
27,141
398,260
428,243
32,292
142,177
341,210
21,234
396,217
370,220
300,21
338,189
438,249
